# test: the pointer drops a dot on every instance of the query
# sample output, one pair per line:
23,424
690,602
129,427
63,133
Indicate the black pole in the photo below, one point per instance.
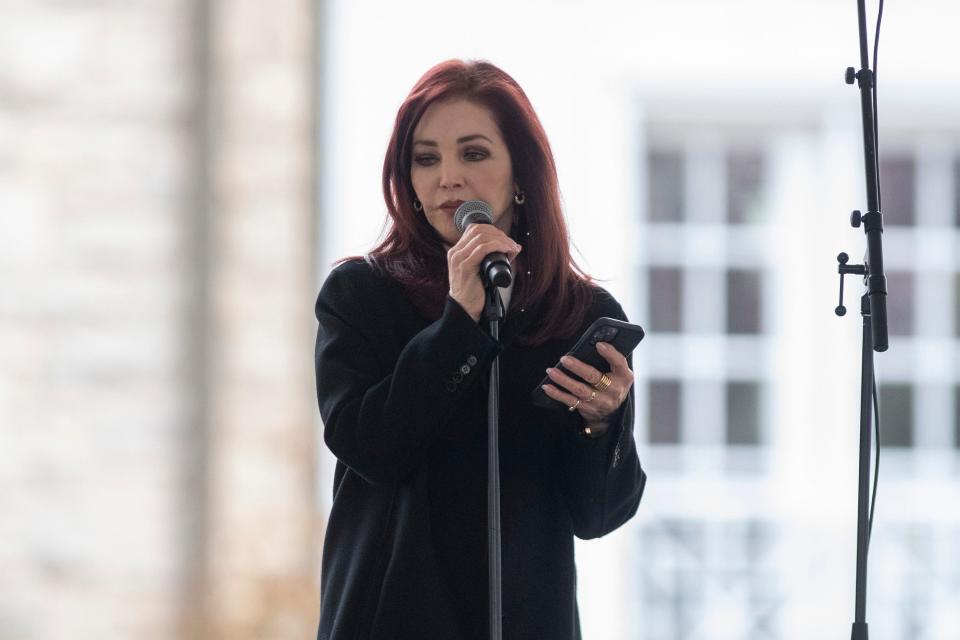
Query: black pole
859,631
493,312
873,309
873,219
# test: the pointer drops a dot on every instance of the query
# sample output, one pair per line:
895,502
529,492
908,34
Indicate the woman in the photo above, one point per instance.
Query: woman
402,372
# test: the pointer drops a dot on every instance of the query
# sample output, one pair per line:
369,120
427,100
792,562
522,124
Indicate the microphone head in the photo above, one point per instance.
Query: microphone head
472,212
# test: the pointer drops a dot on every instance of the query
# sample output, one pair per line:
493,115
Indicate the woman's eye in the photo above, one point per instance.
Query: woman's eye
424,161
475,154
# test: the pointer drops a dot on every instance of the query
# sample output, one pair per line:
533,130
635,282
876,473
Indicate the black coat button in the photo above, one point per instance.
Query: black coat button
451,386
457,377
465,369
472,361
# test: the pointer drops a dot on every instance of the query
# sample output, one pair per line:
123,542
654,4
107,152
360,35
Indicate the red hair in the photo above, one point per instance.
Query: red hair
412,252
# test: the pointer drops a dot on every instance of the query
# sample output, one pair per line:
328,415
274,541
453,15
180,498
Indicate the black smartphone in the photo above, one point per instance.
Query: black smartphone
622,335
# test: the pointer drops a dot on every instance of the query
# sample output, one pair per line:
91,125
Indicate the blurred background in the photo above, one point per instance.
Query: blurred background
176,178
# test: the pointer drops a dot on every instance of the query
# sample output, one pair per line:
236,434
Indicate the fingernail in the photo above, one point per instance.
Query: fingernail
565,360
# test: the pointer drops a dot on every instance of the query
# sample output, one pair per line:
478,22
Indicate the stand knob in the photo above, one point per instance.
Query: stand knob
855,219
850,75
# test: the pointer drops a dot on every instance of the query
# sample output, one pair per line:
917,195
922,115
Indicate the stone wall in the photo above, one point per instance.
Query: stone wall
156,398
260,544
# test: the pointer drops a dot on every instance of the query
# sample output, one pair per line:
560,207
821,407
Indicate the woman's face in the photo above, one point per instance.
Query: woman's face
458,155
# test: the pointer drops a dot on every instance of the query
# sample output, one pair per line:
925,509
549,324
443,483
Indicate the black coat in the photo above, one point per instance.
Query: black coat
403,402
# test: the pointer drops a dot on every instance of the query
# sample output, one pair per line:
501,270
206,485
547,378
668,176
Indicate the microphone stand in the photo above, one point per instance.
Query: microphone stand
873,309
493,313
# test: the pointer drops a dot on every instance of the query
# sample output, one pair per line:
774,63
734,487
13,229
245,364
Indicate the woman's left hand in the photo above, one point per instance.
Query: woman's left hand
595,406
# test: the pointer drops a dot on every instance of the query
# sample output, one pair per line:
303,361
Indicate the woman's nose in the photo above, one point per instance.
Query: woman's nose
450,175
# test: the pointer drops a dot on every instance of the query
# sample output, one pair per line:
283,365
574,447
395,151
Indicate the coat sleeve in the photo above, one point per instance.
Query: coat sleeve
602,479
380,411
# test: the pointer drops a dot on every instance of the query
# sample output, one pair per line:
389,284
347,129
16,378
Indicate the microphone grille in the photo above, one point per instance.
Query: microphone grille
472,212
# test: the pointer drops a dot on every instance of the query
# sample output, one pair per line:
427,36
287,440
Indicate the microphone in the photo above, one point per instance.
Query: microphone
495,268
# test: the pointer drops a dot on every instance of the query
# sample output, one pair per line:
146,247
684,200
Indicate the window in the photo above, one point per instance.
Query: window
666,294
956,304
956,417
956,190
743,413
743,301
900,303
673,577
744,185
896,415
664,417
684,564
897,184
666,186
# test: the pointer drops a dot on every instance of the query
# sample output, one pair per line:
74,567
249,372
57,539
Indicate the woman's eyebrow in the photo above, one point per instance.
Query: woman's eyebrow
461,140
473,136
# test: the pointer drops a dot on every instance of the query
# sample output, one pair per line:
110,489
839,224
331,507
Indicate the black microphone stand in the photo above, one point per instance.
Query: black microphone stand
493,313
873,309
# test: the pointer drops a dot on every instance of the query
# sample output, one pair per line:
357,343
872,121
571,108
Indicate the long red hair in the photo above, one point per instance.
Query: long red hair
412,252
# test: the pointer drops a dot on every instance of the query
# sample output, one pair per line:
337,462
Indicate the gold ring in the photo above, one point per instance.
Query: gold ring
593,396
574,407
603,383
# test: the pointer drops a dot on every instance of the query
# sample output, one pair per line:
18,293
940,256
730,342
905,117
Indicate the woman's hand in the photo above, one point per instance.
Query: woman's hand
595,406
463,264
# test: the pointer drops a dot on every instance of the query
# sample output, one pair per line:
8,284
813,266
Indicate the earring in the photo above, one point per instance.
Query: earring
520,197
417,205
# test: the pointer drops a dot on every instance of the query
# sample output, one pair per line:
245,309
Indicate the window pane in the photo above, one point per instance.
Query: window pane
956,304
896,190
666,186
664,412
956,190
672,566
900,303
684,564
743,300
956,417
743,413
896,415
744,184
666,292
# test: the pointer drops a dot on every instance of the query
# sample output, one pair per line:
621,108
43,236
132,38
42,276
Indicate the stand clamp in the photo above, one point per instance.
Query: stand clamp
843,269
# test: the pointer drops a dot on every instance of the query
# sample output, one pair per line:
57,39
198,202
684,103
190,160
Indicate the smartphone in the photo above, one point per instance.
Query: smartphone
622,335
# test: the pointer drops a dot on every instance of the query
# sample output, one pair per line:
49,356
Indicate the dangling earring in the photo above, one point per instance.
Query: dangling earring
417,205
519,197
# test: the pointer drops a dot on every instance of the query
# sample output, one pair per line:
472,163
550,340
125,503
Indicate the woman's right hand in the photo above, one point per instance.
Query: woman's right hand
463,264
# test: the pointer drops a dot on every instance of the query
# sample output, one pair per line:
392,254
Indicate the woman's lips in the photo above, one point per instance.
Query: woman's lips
451,205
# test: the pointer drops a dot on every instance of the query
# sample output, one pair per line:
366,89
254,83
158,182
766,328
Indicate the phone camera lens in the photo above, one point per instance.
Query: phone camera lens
606,334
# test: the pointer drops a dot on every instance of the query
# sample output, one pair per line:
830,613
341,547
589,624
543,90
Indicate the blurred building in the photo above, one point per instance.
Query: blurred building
743,406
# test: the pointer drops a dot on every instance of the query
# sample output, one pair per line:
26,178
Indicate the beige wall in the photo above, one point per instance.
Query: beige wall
156,393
